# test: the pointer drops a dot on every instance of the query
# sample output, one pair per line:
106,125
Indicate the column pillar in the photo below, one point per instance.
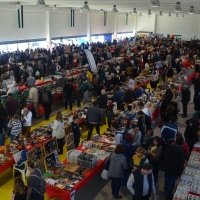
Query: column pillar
154,24
116,26
48,31
89,27
135,24
198,34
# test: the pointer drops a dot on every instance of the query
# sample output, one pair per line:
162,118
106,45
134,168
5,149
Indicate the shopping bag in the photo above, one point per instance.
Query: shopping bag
104,174
41,110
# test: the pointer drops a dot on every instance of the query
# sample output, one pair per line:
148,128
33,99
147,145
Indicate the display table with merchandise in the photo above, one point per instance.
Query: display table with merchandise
55,192
188,184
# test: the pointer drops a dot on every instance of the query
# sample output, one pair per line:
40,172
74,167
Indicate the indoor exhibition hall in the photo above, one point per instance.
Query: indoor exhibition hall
100,100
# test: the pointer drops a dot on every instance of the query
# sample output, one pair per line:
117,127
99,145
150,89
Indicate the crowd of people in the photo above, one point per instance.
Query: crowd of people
139,155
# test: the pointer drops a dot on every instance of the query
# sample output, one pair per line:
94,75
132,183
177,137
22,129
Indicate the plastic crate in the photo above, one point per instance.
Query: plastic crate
88,164
72,156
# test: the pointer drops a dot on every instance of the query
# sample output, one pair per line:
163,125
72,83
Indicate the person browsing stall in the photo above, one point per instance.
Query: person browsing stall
76,131
26,121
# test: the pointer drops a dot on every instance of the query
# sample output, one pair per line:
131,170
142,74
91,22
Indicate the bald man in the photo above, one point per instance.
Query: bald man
103,104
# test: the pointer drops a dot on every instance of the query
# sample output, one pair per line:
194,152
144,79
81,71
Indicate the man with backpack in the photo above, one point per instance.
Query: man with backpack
36,185
67,91
47,100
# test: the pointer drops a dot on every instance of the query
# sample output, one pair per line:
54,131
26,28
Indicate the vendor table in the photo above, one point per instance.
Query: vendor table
54,192
72,74
38,83
10,163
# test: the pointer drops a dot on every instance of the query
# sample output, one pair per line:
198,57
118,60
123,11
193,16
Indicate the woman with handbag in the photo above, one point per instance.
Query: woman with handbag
58,131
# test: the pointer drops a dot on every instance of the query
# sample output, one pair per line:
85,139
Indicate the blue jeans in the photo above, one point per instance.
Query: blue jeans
115,186
68,99
1,139
12,137
169,184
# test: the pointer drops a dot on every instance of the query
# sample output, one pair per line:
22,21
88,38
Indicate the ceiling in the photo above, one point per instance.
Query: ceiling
123,6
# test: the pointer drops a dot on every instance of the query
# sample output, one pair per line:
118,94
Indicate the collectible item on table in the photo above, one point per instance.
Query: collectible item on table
50,161
87,160
195,156
186,180
4,158
110,148
71,167
50,146
178,196
193,197
69,141
72,156
193,164
197,146
35,154
189,171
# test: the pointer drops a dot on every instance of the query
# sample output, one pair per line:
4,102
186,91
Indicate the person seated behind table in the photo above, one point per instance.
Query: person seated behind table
139,159
128,126
87,97
110,114
136,135
130,113
118,138
19,190
76,131
23,158
148,138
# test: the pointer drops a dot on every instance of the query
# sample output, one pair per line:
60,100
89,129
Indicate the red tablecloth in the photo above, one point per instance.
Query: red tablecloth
155,114
144,83
38,83
58,96
72,74
54,192
186,64
11,162
189,78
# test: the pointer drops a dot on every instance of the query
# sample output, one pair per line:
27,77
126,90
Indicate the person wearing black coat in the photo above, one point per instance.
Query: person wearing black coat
103,104
129,96
76,131
47,105
191,131
67,91
185,99
173,165
169,94
163,108
144,122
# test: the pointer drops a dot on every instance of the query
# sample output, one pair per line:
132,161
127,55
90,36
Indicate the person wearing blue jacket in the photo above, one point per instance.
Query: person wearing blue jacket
169,131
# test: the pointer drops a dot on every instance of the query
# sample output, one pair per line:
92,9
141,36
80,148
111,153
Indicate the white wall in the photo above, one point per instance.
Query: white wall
145,23
34,26
60,24
122,27
187,26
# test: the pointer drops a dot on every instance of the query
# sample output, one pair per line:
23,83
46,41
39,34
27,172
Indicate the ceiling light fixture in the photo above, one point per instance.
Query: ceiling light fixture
191,12
134,11
176,15
149,13
85,6
140,14
178,7
154,3
101,11
160,13
81,10
55,8
40,3
169,15
114,8
18,6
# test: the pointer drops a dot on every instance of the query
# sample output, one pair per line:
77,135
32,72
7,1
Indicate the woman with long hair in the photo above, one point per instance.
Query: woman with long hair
58,131
154,153
19,190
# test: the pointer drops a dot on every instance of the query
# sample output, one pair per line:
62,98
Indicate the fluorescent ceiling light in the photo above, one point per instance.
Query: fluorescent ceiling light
160,13
114,8
154,3
40,3
134,11
191,12
178,7
85,6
